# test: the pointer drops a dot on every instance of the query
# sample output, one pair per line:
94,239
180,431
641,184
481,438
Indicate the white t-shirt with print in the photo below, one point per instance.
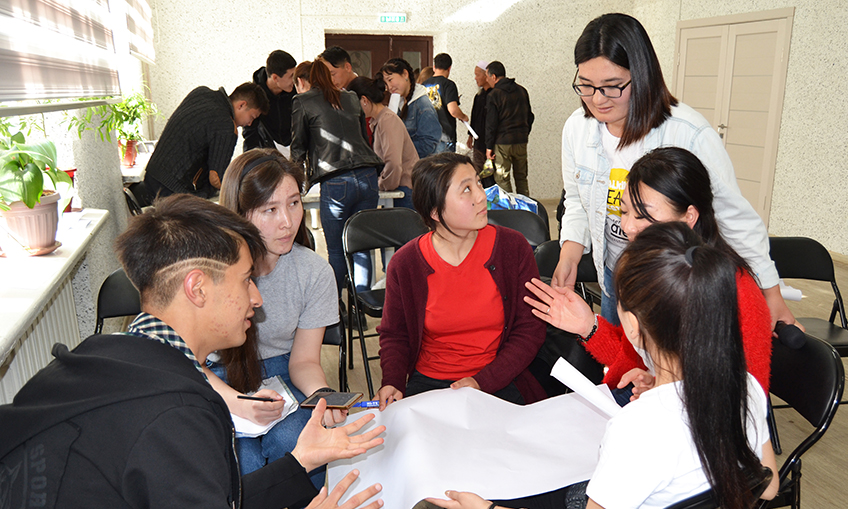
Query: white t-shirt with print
620,163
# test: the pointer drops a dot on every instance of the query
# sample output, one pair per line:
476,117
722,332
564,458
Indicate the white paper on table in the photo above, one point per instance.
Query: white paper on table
394,103
577,382
283,149
471,131
468,440
789,293
249,429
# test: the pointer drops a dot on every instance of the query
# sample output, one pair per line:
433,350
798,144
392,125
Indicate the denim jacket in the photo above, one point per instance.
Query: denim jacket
422,122
586,171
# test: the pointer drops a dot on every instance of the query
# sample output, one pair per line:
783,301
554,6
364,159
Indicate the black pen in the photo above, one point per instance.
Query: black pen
254,398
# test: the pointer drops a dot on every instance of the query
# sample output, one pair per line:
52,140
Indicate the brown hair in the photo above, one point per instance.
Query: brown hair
303,70
320,78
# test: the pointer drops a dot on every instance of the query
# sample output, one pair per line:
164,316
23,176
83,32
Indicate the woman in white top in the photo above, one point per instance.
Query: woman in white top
628,111
706,416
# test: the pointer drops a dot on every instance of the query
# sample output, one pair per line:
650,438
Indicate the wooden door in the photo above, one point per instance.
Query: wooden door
368,53
734,72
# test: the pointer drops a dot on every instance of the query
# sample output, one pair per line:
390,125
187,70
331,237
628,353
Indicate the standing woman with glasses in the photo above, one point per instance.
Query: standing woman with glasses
628,111
328,133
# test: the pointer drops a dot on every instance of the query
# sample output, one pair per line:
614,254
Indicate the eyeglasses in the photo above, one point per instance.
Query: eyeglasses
611,91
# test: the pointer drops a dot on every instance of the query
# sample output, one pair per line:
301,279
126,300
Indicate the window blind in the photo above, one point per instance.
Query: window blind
56,48
140,30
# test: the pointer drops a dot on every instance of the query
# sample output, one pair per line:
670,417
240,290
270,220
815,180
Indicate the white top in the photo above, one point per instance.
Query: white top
648,458
300,293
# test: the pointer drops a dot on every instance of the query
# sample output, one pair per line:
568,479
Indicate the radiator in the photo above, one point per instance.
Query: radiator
57,323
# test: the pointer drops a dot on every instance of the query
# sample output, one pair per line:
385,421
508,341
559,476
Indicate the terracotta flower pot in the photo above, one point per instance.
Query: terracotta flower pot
130,152
34,228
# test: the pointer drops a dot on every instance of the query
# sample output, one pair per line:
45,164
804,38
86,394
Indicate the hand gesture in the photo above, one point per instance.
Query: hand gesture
333,416
388,395
642,381
461,500
262,412
318,445
466,382
560,307
331,501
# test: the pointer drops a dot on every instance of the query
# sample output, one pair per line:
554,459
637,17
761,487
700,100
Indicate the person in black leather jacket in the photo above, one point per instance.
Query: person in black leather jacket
328,133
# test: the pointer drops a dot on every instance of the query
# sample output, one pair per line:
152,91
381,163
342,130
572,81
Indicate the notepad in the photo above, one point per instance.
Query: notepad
249,429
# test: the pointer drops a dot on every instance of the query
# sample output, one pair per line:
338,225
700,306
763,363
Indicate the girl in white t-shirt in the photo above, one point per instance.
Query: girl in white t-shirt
677,301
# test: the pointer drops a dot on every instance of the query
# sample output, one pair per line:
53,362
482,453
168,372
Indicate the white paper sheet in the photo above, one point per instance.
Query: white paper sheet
577,382
283,149
471,441
471,131
790,293
394,103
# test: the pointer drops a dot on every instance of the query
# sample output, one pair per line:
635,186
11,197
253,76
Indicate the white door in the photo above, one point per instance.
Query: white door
734,72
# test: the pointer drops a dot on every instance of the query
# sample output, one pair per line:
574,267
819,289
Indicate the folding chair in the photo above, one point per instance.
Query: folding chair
334,336
117,297
547,257
804,258
365,231
132,202
531,225
707,499
810,380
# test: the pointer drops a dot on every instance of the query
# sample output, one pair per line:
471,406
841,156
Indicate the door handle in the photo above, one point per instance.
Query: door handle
721,129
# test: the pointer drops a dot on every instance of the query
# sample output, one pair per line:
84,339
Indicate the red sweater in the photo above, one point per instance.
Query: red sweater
610,346
402,326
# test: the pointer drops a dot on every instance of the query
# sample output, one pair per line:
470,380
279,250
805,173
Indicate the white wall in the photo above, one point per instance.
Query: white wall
208,42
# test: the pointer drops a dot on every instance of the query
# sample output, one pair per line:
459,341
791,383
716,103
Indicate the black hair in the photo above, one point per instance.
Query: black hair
683,294
442,61
680,176
496,69
374,90
398,66
181,227
336,55
279,62
431,179
622,40
253,94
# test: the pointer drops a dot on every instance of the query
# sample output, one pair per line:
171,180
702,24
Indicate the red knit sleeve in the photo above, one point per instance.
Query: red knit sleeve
755,324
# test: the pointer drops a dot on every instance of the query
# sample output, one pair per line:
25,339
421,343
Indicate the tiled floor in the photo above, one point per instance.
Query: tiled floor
824,466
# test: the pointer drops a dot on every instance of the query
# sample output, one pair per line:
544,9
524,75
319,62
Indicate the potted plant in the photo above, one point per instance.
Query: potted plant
124,117
28,200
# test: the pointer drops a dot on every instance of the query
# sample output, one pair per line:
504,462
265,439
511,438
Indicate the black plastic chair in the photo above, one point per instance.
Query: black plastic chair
132,202
804,258
531,225
810,380
365,231
117,297
707,499
547,257
334,335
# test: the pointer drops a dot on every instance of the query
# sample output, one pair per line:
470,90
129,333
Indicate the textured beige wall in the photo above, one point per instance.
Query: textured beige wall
208,42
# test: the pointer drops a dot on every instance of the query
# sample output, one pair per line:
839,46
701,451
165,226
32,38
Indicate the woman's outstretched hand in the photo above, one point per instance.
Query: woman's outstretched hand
560,307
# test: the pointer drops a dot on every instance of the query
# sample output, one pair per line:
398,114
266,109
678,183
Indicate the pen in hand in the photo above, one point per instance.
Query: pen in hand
367,404
254,398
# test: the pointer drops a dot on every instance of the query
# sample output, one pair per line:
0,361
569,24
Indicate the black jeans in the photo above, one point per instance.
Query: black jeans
419,383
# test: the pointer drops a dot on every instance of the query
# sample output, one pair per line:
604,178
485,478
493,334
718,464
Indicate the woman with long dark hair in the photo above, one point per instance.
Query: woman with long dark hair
666,184
704,424
464,264
627,111
417,112
328,134
391,139
299,302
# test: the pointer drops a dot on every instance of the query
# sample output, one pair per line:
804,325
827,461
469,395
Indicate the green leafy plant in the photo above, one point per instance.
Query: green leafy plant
124,117
22,169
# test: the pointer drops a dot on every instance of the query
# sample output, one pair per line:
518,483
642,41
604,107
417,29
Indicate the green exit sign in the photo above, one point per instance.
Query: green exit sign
393,17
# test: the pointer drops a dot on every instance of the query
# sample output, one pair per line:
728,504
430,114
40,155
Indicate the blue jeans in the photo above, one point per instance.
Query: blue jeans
255,453
609,306
342,197
445,146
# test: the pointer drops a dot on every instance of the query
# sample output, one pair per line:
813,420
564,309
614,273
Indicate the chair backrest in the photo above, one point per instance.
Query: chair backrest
525,222
810,380
334,334
543,213
132,202
801,258
547,257
117,297
381,228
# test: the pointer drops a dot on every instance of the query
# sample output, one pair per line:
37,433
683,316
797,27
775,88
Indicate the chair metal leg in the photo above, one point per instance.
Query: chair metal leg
772,425
365,362
350,314
342,368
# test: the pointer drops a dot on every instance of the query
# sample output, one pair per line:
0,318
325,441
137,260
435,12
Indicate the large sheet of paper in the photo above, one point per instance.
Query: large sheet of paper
471,441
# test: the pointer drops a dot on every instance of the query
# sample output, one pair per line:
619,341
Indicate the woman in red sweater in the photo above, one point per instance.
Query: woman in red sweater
453,315
667,184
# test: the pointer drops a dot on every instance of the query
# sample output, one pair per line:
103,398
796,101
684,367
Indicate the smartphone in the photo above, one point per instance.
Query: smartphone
341,400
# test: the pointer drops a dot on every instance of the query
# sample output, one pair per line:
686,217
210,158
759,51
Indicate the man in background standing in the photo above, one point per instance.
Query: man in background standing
277,80
337,61
478,121
508,123
445,99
